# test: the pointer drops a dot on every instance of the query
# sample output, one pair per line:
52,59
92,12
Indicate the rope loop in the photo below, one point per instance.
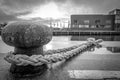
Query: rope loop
51,56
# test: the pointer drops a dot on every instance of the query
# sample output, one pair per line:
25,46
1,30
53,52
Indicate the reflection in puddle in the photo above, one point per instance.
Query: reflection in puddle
114,49
105,38
100,51
105,50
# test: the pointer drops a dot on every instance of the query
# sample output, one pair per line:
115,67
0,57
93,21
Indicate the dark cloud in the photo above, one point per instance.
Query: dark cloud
109,5
19,6
23,6
10,9
86,2
60,1
99,6
6,18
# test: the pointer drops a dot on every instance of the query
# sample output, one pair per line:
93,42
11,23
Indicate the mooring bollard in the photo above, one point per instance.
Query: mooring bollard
28,39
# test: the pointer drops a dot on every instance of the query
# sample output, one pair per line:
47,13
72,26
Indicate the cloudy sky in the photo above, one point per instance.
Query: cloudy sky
28,9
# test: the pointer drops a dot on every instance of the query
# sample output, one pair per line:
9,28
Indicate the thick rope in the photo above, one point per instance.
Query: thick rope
89,40
57,55
56,51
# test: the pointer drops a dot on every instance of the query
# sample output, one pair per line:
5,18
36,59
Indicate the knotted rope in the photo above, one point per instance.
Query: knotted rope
51,56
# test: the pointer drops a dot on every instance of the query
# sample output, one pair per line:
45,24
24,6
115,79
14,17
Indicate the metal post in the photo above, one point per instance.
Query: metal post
28,39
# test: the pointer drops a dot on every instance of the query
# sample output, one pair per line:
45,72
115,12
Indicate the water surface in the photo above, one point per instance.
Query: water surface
111,44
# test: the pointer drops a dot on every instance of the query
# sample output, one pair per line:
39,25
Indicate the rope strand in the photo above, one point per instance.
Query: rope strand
51,56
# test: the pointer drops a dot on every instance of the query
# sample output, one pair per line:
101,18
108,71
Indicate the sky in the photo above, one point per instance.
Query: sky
11,10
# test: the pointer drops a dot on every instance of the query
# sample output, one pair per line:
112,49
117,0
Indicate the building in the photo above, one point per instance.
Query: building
92,22
60,24
116,12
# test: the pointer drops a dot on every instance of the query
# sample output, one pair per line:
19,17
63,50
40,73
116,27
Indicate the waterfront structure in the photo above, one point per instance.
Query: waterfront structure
92,22
116,12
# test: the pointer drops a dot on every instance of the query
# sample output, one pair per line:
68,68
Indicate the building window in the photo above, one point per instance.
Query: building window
117,12
75,21
108,21
102,26
97,26
97,21
92,26
86,26
81,26
117,21
73,26
107,26
86,21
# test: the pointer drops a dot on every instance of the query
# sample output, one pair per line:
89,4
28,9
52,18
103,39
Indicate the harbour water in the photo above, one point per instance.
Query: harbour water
111,44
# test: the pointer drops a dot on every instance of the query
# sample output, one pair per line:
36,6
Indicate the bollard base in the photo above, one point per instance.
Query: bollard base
27,71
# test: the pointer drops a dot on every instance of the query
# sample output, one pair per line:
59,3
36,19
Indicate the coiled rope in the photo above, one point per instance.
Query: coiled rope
51,56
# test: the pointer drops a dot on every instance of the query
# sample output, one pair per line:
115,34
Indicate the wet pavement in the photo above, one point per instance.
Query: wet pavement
101,64
81,63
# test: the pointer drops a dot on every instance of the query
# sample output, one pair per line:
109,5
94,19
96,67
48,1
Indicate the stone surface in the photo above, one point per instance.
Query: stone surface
26,71
60,71
28,38
26,34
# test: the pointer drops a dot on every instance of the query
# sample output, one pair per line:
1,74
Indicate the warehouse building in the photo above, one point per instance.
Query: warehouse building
116,12
92,22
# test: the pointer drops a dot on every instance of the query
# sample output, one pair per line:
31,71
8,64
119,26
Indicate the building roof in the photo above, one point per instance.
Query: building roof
114,11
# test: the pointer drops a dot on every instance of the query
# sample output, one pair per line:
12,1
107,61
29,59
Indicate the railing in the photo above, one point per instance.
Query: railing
77,33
